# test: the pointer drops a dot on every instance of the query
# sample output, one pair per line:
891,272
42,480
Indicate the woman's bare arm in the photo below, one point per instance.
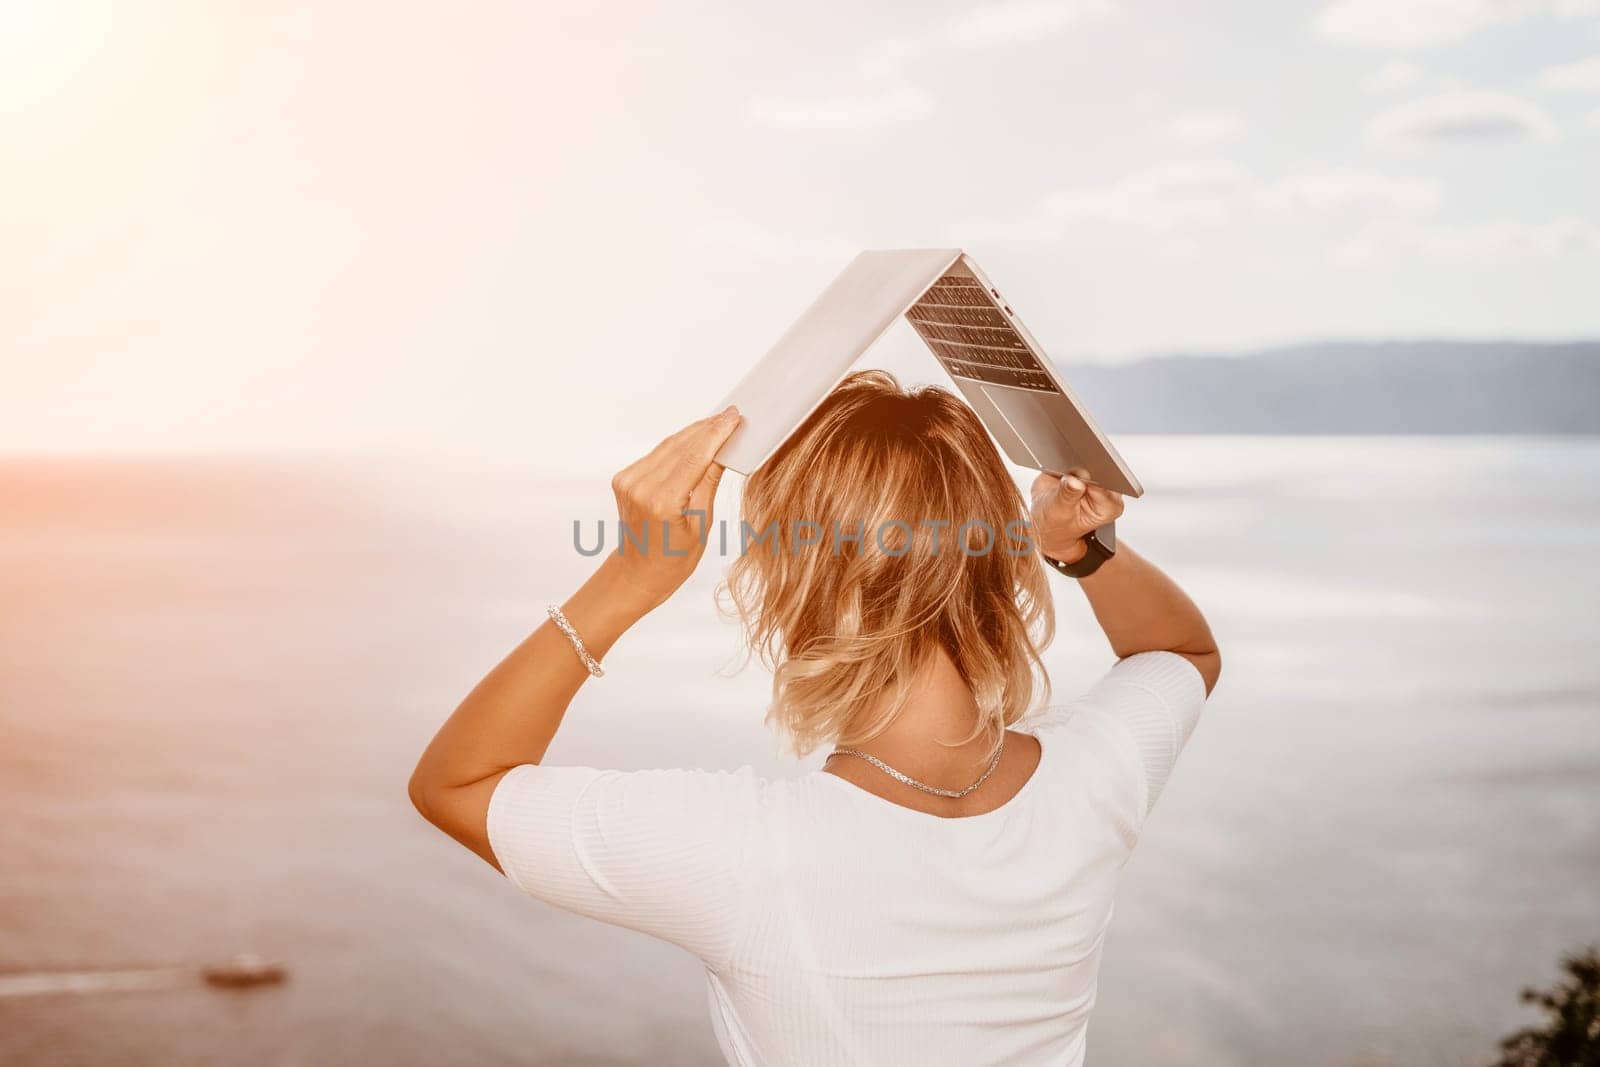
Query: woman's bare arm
511,716
1139,607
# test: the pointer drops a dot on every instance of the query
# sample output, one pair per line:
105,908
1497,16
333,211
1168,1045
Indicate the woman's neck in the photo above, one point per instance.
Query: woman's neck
921,741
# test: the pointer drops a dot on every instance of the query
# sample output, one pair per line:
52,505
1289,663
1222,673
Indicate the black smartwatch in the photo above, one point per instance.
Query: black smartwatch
1101,545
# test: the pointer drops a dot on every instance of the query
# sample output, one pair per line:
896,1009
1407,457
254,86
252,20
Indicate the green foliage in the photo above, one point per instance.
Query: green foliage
1570,1036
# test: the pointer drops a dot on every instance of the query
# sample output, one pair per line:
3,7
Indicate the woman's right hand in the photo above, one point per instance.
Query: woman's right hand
664,499
1066,508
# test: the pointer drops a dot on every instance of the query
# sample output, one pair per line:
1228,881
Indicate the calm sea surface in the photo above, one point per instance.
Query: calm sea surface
215,676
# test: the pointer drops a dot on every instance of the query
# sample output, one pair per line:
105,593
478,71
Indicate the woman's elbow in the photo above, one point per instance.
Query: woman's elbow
423,793
1209,665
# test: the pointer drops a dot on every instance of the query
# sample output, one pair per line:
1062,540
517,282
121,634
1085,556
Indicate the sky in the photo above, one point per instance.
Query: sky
532,230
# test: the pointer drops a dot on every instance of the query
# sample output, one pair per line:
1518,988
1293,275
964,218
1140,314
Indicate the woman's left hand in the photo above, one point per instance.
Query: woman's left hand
1065,508
664,507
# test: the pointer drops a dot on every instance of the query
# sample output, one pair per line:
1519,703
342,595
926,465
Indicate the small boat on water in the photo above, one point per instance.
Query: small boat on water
244,971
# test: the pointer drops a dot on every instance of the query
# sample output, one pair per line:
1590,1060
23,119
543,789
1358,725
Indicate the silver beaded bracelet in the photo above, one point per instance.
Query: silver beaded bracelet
560,619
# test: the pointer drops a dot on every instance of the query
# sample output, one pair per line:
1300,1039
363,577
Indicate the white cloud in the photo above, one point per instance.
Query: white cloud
1178,194
839,112
1397,76
1412,24
1001,24
1342,190
1018,21
762,243
1594,119
1196,195
887,62
1461,117
1393,77
1404,24
1582,76
1385,241
1208,210
1201,130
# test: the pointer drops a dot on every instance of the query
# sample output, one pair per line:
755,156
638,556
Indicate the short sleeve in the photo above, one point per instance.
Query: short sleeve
1154,699
663,852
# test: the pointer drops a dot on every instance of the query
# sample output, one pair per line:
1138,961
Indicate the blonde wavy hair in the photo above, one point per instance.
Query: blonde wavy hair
885,528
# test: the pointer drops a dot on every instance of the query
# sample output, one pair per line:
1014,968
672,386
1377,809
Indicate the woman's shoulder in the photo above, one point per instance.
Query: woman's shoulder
1164,678
1141,713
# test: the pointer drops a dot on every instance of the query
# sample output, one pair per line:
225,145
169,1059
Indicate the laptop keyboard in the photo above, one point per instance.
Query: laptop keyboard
973,338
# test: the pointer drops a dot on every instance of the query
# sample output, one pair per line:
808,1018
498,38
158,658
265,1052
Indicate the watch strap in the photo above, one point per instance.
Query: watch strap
1099,545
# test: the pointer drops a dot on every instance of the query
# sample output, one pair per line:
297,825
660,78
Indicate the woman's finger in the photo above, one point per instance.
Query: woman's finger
1104,502
1100,492
699,447
714,432
672,447
678,464
705,493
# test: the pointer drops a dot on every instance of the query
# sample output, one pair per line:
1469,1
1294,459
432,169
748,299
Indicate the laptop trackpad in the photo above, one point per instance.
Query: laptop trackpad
1029,415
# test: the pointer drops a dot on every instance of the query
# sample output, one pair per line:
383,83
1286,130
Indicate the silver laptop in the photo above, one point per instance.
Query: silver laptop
970,329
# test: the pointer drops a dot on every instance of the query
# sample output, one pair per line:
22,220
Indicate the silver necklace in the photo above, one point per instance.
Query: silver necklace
924,786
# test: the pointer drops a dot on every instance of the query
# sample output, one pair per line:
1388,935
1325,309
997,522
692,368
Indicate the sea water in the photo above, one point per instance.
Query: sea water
216,674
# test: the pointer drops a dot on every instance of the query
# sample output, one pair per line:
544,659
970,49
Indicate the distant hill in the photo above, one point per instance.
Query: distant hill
1399,387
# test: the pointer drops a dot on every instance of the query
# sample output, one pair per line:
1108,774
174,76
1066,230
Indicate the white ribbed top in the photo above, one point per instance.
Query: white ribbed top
839,928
